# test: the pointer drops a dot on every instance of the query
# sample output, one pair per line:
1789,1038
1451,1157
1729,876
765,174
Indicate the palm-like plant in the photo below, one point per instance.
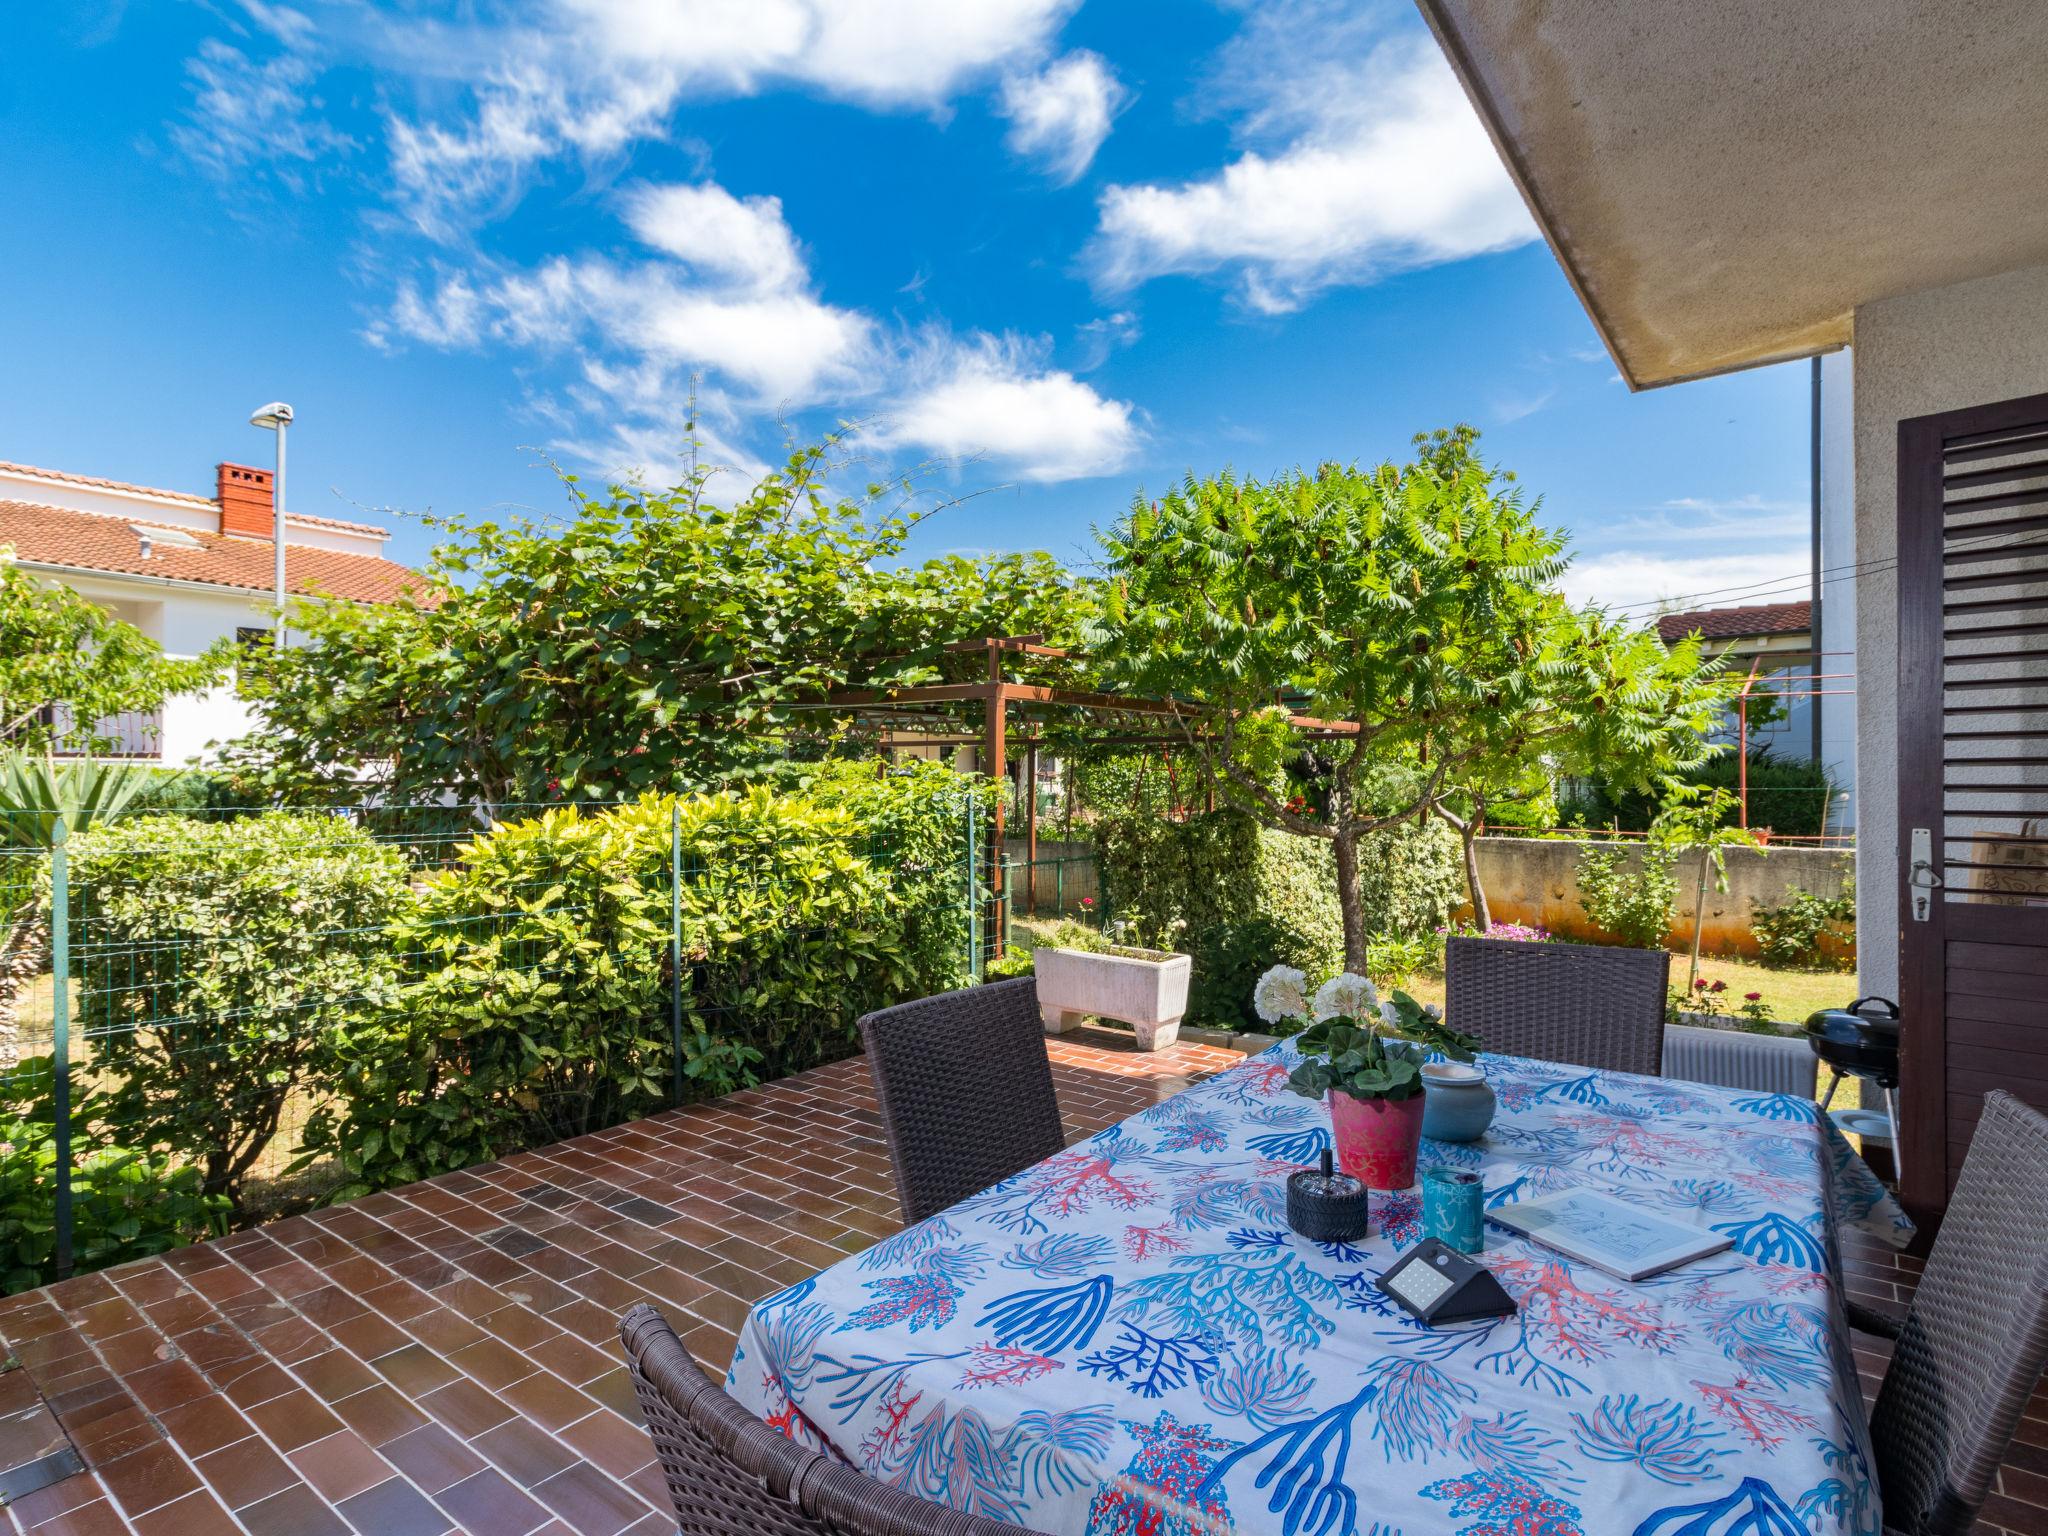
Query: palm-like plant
35,791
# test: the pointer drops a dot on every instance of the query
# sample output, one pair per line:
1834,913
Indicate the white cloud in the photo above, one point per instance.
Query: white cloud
590,77
884,52
1636,579
727,299
995,398
741,240
245,113
1388,168
1060,115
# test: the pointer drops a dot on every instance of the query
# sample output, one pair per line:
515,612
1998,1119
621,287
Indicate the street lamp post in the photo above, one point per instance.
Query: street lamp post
276,416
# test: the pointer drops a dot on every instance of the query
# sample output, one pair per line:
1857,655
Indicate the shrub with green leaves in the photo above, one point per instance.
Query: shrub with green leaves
538,1004
1253,897
1806,931
1629,891
125,1203
213,959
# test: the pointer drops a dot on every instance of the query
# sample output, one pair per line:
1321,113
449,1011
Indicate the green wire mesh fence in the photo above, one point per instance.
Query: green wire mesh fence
207,1019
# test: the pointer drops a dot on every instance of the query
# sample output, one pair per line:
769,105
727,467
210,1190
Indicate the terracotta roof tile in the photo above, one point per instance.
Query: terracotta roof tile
1737,623
93,542
7,466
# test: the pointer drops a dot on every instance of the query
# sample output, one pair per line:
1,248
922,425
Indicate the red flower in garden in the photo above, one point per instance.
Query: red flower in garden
1752,997
1719,986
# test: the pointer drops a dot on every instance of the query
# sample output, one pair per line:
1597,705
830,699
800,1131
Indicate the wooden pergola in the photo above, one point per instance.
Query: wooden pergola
998,694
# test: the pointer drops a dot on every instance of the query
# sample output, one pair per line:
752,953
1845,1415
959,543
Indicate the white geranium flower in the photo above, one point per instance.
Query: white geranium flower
1349,996
1280,994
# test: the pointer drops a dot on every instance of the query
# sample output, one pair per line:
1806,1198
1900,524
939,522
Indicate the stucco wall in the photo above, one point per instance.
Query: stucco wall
1837,637
1936,350
1535,881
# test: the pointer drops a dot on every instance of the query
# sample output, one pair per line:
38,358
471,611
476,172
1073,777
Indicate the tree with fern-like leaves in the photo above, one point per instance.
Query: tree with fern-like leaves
1352,646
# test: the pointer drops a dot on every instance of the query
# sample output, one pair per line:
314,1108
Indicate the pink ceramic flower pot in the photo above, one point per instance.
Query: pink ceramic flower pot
1377,1138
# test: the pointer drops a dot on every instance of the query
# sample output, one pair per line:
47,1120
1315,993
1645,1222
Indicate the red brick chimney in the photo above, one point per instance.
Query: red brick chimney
244,494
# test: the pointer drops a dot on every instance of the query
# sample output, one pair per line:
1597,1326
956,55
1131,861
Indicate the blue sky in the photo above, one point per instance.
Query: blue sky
1051,252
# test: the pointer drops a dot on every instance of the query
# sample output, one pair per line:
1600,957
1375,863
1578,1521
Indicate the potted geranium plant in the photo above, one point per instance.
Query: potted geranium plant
1363,1056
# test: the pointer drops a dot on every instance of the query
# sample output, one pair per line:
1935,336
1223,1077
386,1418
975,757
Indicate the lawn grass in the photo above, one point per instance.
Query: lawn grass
1789,995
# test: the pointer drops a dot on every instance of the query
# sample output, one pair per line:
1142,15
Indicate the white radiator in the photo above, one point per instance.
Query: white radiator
1734,1059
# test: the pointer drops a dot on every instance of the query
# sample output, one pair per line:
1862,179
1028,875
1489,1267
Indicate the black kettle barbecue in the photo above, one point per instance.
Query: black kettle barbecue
1861,1040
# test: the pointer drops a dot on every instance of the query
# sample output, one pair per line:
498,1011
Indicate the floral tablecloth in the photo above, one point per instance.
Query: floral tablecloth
1126,1340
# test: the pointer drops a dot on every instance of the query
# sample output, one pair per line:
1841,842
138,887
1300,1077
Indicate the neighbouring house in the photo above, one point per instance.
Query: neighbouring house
187,570
1812,706
1773,642
1738,182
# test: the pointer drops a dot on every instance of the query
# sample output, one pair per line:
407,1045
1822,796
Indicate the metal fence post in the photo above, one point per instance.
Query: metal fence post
973,890
675,945
60,1034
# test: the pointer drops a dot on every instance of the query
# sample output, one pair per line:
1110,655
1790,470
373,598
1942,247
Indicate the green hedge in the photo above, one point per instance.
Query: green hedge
543,981
1253,897
214,961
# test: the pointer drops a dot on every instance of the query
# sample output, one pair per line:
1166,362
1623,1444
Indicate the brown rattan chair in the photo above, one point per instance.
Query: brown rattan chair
965,1090
1576,1003
731,1475
1972,1344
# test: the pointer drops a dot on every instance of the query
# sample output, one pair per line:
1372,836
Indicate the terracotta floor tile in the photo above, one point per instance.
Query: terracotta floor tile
144,1479
394,1508
298,1511
340,1466
431,1457
245,1472
378,1414
205,1425
590,1502
466,1408
97,1518
523,1452
490,1503
298,1418
515,1345
197,1514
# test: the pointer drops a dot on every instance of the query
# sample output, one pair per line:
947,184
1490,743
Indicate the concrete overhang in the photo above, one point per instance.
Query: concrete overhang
1725,181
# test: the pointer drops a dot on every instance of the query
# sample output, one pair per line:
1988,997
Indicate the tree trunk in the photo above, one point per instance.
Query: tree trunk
1699,919
1482,914
1475,888
1348,902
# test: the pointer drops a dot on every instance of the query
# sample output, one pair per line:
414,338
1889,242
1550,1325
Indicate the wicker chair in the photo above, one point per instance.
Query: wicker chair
965,1089
731,1475
1573,1003
1972,1344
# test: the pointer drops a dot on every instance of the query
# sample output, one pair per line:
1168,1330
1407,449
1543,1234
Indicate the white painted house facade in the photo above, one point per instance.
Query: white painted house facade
187,570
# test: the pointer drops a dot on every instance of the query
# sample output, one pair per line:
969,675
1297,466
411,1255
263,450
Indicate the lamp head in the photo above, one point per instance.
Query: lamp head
274,415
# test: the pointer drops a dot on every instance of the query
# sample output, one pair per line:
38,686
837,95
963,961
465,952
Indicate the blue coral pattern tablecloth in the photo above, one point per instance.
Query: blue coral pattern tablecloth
1126,1340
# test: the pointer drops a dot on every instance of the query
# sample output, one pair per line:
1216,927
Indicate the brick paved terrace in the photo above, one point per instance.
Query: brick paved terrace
442,1357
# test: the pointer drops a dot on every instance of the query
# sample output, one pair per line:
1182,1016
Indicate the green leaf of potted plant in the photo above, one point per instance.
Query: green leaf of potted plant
1363,1056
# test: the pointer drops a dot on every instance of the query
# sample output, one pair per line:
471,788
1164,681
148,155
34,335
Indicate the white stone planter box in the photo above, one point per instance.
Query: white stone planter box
1146,989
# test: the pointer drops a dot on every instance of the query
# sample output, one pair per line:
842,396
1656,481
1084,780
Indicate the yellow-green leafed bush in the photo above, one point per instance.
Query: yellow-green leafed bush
214,961
538,1001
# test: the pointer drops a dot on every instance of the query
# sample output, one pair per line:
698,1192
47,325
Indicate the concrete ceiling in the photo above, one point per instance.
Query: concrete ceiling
1726,180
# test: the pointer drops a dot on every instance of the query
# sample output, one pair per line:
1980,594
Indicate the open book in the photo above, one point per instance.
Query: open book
1595,1229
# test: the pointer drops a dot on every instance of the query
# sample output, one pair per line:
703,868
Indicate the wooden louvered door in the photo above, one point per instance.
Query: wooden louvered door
1973,777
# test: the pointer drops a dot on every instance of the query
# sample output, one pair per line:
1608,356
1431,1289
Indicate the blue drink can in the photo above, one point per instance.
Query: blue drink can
1454,1208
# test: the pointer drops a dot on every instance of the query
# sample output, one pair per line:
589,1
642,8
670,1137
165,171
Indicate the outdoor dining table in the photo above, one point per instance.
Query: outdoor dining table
1127,1340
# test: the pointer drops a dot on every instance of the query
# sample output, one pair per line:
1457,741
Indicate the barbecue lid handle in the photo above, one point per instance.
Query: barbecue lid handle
1891,1008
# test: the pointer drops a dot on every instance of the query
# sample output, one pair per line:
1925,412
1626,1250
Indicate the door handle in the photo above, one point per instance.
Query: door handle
1922,878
